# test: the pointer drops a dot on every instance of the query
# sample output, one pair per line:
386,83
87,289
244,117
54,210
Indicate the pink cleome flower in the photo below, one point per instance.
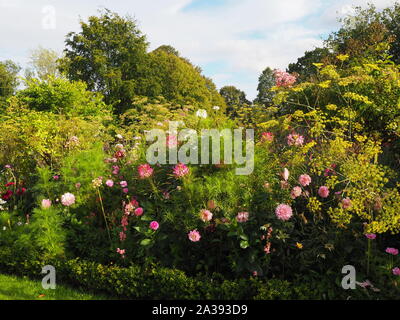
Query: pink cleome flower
284,79
304,180
323,192
283,212
295,139
242,217
181,170
145,171
194,236
205,215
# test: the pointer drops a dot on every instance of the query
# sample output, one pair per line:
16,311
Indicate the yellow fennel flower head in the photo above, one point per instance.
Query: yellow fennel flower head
299,245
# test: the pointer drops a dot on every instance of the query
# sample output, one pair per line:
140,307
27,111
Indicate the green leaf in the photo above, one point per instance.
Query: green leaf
145,242
244,244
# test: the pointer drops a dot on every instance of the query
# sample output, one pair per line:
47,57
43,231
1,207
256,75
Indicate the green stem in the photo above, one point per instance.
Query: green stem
368,255
104,214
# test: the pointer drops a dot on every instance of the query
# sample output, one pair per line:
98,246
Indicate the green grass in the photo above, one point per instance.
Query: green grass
16,288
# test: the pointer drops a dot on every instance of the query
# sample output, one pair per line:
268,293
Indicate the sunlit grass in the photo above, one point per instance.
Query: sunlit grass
17,288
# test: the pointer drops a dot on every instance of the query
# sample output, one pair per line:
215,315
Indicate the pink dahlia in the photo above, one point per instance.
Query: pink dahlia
154,225
392,251
68,199
304,180
206,215
180,170
109,183
138,212
145,171
46,203
194,236
323,192
242,217
296,192
283,212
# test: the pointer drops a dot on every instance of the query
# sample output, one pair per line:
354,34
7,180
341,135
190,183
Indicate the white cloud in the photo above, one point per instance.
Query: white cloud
204,36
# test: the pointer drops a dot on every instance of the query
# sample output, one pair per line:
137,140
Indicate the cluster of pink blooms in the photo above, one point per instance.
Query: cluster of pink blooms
121,252
120,152
180,170
133,207
242,217
68,199
284,79
323,192
267,247
172,141
206,215
392,251
154,225
145,171
267,136
283,212
194,236
295,139
115,170
396,271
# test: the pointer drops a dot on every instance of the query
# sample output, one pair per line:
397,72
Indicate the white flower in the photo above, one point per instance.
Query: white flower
201,113
216,108
2,201
4,228
119,136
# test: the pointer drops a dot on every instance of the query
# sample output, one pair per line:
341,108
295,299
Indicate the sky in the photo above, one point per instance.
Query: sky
232,41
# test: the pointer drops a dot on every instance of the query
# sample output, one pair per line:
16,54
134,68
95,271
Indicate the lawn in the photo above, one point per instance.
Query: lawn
16,288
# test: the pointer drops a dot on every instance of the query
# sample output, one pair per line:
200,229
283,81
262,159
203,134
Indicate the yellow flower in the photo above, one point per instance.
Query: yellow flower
299,245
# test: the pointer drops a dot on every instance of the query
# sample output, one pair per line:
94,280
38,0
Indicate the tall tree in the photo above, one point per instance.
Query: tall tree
8,79
265,82
234,98
108,54
43,65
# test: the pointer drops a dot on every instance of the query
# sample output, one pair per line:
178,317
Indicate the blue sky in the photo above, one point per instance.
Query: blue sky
231,40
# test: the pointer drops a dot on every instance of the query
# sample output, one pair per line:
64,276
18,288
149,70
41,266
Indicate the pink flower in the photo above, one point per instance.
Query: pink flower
392,251
125,190
172,141
295,139
122,236
145,171
166,195
205,215
194,236
267,136
346,203
371,236
68,199
396,271
323,192
242,217
109,183
138,212
283,212
121,252
56,177
115,170
180,170
285,174
296,192
154,225
77,185
123,184
304,180
284,79
46,203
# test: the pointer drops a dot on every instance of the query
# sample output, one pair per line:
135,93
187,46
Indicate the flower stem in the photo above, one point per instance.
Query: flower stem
104,214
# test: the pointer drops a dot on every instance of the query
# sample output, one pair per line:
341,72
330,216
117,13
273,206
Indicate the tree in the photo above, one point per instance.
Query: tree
265,82
305,67
234,98
109,55
43,64
8,79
